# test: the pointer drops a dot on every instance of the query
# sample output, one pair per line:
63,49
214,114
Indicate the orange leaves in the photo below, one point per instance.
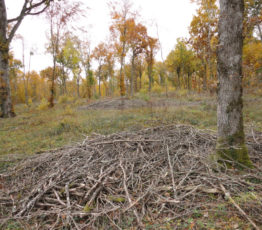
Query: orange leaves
100,53
152,47
204,27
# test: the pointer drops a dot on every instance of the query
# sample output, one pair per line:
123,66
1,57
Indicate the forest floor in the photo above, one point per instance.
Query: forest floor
164,135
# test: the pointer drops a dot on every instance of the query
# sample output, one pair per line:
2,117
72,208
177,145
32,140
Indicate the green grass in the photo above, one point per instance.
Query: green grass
32,131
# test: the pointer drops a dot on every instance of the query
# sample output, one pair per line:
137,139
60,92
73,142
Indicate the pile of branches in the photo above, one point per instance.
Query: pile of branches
127,179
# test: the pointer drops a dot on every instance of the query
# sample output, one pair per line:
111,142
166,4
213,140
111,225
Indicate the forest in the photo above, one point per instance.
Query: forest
117,135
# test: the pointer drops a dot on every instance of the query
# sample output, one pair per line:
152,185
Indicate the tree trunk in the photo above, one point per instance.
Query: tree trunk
231,138
64,81
89,85
52,88
178,70
140,79
5,93
24,74
122,68
188,82
78,86
205,77
99,80
150,66
132,74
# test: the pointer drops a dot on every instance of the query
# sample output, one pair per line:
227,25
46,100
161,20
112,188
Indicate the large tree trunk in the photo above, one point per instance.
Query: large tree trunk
231,138
5,93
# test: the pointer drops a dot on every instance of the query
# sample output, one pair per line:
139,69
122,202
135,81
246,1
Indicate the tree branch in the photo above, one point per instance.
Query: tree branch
26,10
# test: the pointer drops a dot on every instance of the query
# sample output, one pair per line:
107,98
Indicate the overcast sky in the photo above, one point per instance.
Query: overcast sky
173,18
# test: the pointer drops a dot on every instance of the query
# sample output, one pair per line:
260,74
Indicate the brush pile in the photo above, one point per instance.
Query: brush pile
127,180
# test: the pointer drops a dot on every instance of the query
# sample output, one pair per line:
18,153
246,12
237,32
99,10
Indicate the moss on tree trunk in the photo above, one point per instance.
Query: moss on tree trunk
230,148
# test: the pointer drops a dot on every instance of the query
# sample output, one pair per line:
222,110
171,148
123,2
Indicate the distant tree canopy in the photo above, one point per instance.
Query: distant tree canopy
126,63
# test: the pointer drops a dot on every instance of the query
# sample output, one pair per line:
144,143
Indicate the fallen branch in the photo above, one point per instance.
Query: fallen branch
228,196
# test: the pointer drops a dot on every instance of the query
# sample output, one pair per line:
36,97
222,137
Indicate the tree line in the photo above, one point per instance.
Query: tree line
125,64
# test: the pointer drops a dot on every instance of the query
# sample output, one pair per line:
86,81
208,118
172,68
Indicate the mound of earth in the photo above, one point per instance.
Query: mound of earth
126,180
125,103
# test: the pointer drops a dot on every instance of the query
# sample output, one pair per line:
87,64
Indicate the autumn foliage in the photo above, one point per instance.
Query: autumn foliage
126,63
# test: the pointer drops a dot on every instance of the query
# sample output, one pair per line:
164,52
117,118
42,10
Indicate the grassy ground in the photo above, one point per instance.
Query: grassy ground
34,131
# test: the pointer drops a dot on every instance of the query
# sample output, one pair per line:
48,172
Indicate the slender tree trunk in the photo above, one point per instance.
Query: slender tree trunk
132,74
5,92
122,66
188,82
52,88
89,85
135,82
88,81
140,79
166,85
99,86
231,137
64,80
99,81
178,77
150,77
24,74
25,88
205,77
78,86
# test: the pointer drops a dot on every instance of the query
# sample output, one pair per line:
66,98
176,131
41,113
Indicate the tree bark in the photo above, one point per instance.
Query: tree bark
205,77
5,93
231,137
78,86
178,70
188,81
52,88
132,73
122,67
99,80
150,77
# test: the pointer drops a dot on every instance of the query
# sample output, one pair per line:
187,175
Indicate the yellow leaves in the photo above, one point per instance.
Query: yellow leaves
252,55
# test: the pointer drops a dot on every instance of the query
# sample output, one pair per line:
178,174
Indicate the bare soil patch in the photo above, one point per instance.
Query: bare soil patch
126,180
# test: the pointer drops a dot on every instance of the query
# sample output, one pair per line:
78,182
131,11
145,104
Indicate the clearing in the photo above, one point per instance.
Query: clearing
126,168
